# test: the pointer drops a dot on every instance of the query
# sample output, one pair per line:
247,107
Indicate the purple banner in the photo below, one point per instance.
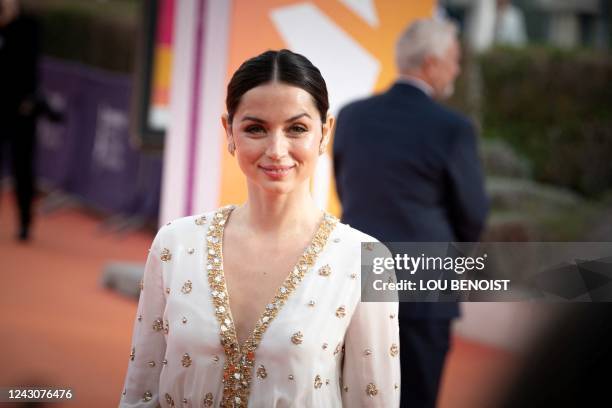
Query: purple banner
90,154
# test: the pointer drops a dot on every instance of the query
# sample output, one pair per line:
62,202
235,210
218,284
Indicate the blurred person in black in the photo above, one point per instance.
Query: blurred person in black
569,363
407,170
18,103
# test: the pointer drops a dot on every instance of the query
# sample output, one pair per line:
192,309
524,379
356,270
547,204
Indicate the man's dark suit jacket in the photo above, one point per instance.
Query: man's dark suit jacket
407,170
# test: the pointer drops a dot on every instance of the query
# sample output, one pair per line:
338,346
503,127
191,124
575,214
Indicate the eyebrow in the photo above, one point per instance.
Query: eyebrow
291,119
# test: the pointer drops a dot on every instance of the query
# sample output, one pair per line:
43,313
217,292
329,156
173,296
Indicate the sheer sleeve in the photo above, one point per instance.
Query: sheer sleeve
148,341
371,370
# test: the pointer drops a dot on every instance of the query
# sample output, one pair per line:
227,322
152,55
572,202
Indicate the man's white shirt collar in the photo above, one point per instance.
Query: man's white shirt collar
417,83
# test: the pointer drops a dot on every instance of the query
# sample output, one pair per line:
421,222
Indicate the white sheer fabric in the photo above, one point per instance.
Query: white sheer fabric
322,347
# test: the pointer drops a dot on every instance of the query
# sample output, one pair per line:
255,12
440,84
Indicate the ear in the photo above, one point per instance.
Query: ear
228,128
328,127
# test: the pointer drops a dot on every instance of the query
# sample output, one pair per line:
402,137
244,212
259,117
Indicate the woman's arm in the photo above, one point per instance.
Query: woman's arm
371,370
148,341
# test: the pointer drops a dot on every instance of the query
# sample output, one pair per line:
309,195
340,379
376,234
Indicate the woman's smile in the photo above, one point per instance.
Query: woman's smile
276,172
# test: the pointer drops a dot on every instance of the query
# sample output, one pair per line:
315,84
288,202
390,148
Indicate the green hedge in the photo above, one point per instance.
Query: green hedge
555,107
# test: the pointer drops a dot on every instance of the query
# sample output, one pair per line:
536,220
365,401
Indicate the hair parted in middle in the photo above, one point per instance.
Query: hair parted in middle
283,66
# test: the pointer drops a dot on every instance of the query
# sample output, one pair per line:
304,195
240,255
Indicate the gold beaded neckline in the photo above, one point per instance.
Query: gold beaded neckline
239,362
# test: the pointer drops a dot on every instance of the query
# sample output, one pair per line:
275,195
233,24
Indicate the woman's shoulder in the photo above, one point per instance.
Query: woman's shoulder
192,223
353,235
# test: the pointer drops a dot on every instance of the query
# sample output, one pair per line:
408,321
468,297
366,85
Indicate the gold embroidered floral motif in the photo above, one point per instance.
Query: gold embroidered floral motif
371,390
186,360
340,312
166,326
240,360
165,255
297,338
169,400
200,220
147,396
261,372
158,325
317,382
186,287
394,350
325,270
132,354
208,400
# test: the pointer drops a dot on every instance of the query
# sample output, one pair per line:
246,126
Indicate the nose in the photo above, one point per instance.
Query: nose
277,146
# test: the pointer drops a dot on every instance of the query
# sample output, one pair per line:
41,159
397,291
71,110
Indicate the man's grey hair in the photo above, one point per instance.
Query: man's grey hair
422,38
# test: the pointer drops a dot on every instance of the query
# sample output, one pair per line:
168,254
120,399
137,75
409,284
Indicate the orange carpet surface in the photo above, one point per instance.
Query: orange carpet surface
61,328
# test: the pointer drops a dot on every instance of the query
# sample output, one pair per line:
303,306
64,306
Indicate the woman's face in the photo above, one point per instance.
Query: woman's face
277,132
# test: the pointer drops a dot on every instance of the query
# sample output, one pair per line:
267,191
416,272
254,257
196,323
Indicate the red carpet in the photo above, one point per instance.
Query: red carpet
60,328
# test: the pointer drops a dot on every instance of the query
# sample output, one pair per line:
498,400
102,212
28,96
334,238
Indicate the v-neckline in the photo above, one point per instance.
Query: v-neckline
240,358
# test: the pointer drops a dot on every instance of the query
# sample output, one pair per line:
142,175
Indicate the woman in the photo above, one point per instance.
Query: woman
296,333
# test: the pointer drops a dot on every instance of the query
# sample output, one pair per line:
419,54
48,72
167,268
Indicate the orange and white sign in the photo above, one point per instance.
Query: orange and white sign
351,41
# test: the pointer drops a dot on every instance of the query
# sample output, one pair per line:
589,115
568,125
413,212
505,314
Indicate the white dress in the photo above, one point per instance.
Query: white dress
315,344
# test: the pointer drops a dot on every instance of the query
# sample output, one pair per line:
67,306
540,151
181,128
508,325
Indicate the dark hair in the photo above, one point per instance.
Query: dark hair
283,66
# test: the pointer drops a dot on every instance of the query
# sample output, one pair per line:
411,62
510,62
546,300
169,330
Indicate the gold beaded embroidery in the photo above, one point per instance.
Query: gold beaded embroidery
187,286
141,284
186,360
132,354
371,390
166,326
297,338
169,400
394,350
261,372
240,360
340,312
290,377
200,220
158,324
338,348
367,352
345,388
147,396
317,382
325,270
208,400
165,255
151,363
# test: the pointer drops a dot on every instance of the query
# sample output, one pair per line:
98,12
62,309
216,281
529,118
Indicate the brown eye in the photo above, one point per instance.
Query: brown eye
255,129
297,129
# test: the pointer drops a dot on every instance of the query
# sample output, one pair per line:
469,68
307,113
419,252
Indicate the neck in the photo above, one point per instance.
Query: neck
267,212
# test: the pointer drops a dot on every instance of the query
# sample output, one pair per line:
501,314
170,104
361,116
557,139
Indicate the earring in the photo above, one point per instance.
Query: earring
322,148
231,148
